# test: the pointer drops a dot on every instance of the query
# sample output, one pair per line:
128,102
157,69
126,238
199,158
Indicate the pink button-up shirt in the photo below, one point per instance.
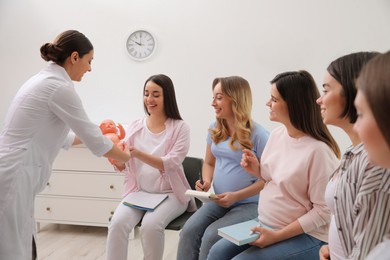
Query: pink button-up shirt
176,149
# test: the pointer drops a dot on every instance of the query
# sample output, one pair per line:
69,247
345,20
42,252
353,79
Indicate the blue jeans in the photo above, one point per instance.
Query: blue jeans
301,247
200,231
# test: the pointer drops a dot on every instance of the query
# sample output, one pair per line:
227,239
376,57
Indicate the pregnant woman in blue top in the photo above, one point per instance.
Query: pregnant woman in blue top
237,191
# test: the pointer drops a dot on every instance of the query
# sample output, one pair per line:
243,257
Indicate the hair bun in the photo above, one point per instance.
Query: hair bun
50,51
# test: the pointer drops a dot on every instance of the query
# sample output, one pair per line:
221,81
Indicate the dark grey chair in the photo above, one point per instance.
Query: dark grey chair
192,169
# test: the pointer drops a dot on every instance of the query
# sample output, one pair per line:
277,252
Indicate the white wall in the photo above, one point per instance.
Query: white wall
197,41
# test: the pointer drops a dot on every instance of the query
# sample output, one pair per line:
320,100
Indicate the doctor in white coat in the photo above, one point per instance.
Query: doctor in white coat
37,125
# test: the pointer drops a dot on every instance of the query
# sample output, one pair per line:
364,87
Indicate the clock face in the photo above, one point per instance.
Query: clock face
140,45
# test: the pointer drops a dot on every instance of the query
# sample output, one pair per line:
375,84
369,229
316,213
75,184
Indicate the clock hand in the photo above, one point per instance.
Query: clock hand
138,43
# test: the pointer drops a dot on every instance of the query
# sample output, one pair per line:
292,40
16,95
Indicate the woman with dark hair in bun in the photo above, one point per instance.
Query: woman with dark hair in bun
36,126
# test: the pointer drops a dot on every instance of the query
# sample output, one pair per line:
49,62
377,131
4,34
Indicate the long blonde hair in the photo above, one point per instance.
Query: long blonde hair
239,91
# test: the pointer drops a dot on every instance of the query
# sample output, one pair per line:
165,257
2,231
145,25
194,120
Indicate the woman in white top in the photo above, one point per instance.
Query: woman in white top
37,125
373,127
159,143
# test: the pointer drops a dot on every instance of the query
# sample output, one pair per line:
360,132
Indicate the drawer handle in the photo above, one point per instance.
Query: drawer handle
48,209
112,187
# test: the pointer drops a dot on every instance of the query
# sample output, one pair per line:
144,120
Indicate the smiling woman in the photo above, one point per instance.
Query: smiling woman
74,56
159,143
37,125
362,203
236,190
293,169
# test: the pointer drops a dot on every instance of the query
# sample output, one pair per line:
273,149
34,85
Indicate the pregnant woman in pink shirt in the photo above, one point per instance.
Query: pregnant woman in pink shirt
295,166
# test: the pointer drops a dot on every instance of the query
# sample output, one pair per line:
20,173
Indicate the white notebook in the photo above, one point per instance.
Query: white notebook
144,200
201,195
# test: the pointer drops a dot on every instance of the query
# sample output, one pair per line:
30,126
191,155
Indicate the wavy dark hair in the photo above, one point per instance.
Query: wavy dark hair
299,90
170,105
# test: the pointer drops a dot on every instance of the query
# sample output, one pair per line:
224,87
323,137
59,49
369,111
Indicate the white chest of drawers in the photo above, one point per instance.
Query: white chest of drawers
83,190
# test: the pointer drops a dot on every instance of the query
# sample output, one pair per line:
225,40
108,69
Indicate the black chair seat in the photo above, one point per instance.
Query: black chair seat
178,223
192,170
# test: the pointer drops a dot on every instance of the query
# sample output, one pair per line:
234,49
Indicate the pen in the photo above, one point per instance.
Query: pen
201,179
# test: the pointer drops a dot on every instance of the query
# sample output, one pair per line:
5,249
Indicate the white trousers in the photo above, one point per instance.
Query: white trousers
152,228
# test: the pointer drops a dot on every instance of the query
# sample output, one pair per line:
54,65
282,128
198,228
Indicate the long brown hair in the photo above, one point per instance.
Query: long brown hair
374,82
170,105
299,90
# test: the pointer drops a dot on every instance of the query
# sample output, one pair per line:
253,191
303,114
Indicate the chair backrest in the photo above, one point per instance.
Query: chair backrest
192,169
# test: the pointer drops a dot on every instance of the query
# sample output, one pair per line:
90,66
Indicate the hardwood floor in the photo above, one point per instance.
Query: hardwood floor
73,242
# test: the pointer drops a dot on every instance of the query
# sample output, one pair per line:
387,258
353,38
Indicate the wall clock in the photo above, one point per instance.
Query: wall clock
140,45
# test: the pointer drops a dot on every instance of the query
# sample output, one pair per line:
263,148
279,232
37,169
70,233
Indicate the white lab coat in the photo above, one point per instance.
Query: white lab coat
36,127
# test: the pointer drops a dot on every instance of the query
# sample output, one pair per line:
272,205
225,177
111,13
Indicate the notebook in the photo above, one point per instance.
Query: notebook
241,234
144,200
201,195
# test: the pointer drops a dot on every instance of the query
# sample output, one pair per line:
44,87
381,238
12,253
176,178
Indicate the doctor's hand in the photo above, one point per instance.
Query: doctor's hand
119,164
